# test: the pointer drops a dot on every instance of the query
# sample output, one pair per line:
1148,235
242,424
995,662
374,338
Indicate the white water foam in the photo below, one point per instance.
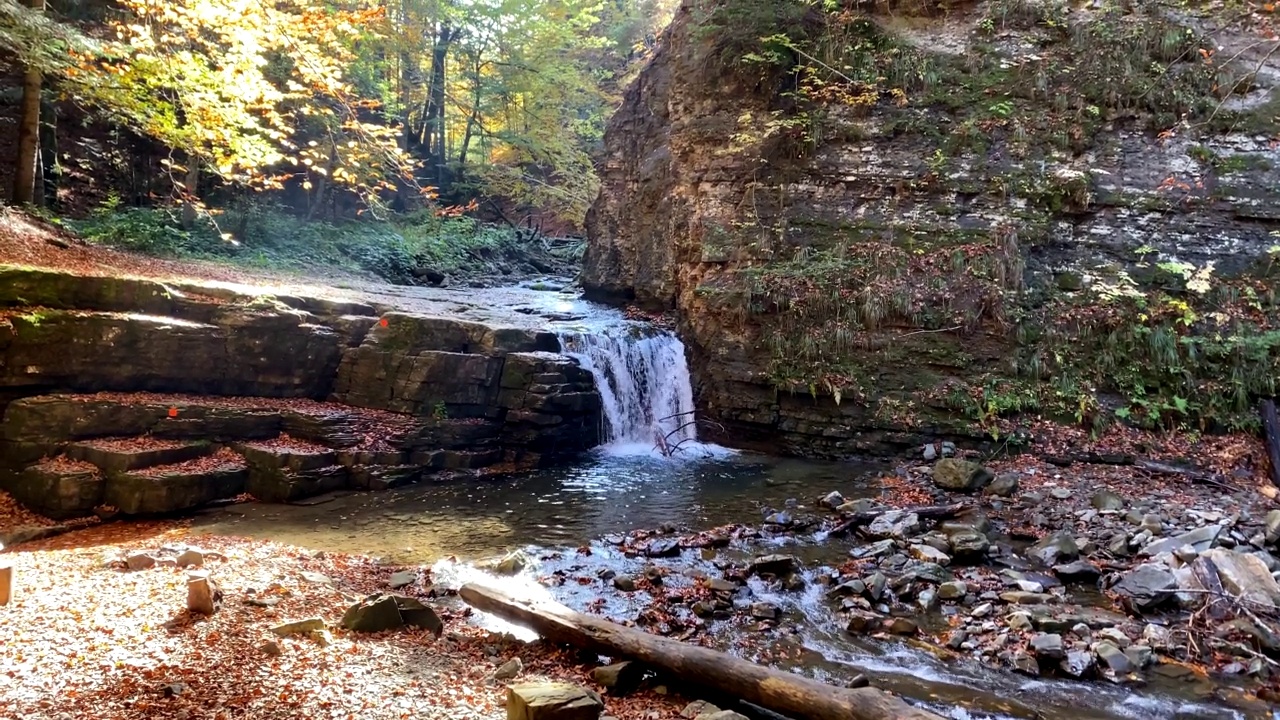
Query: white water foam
646,391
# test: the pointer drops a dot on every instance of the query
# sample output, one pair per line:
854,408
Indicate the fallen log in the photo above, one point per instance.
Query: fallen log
782,692
929,512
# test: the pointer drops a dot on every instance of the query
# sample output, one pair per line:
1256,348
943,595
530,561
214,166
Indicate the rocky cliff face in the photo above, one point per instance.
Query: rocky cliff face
874,227
151,397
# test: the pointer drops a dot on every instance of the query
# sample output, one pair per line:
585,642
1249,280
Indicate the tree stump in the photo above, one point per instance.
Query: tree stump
203,595
6,583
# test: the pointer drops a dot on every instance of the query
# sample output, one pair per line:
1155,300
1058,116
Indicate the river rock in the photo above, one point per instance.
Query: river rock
619,678
663,548
722,715
1054,549
833,500
511,564
509,669
1106,500
1077,664
1139,655
1146,587
930,554
1022,663
404,578
1020,597
764,611
876,584
298,627
1114,658
897,524
968,545
861,622
1245,576
552,701
1047,647
1272,523
380,612
875,549
1080,571
624,583
902,626
1115,636
926,571
1019,621
1157,636
1004,485
960,475
955,590
1201,539
776,565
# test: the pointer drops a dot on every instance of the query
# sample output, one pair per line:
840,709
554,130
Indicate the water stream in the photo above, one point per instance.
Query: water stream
630,483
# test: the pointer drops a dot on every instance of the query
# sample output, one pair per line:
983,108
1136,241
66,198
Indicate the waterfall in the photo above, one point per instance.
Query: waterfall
644,384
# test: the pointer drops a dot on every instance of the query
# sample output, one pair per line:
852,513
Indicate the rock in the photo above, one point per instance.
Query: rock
1146,587
832,500
1152,523
271,648
1019,621
875,549
511,564
929,554
1029,586
1054,549
930,452
139,561
876,584
968,545
779,518
1077,664
776,565
927,599
1157,636
764,611
1004,485
1048,647
380,612
1023,663
619,678
298,627
960,475
1272,524
902,626
981,611
203,595
624,583
1060,494
1111,656
955,590
1118,544
1245,576
1114,636
723,715
697,708
1140,655
314,578
509,669
1019,597
861,622
1107,500
1201,539
404,578
894,524
552,701
956,638
190,557
1080,571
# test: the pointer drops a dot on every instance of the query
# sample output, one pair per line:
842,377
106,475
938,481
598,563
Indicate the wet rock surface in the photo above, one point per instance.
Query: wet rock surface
310,395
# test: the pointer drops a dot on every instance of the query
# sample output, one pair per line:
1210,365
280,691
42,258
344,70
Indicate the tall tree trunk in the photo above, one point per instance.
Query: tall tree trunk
191,193
24,174
433,125
50,170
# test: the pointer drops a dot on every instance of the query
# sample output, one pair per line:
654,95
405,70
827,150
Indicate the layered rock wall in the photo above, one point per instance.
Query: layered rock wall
885,226
150,397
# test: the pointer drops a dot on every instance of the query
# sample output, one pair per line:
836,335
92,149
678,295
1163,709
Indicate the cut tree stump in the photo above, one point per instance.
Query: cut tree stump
782,692
6,583
203,595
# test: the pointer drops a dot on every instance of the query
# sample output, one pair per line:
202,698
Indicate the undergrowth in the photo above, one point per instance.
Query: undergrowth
265,236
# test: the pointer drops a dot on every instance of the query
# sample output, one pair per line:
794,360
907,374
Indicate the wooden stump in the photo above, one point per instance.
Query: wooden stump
6,583
202,593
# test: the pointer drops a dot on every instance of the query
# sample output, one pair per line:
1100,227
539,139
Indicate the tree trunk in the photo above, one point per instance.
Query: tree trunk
24,173
50,170
1271,437
433,124
782,692
191,194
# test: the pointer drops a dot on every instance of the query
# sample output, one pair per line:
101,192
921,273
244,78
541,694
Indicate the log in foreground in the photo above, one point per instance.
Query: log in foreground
782,692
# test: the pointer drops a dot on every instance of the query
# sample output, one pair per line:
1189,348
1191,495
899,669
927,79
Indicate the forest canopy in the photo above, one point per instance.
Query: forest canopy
400,104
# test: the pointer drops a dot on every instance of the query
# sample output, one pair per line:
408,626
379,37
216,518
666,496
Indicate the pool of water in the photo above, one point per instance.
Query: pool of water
615,490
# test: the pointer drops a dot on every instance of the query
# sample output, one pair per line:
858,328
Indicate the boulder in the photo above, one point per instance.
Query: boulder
1004,485
960,475
380,612
1080,571
552,701
1077,664
968,545
619,678
1113,658
1245,576
776,565
1054,549
1146,587
1272,523
1048,647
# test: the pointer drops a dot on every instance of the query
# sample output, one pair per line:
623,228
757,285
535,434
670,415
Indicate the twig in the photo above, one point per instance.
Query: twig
937,330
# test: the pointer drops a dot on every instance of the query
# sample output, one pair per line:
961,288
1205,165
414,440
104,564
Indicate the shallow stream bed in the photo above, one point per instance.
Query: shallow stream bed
552,514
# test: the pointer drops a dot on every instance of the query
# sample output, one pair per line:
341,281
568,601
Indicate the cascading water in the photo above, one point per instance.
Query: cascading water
644,384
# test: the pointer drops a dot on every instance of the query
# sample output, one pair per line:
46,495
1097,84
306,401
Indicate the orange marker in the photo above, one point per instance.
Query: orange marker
173,412
383,322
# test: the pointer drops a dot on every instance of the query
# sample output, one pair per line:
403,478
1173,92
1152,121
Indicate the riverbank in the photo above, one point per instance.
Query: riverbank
90,638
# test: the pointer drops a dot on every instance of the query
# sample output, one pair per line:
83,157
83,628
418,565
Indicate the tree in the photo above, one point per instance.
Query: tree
24,173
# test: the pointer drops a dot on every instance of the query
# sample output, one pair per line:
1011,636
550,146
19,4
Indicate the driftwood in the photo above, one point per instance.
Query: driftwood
930,512
782,692
1271,436
6,583
1152,466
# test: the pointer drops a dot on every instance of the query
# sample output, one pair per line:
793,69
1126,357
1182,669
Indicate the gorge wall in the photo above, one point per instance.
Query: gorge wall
878,221
147,397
